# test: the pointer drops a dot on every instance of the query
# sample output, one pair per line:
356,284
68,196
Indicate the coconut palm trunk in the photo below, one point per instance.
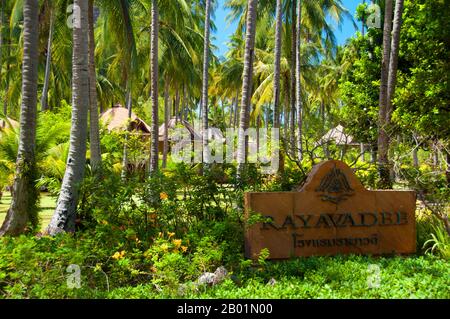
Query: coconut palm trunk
94,130
2,23
184,108
64,217
6,42
8,67
166,123
204,101
129,105
383,138
48,63
23,209
154,86
276,75
393,61
291,146
298,96
246,84
236,111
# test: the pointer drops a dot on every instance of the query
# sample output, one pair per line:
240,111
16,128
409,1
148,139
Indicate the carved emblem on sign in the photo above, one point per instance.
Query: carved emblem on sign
334,187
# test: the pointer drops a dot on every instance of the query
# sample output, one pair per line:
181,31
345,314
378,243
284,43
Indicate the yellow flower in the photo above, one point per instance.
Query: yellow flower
163,196
164,247
119,255
104,222
184,249
170,234
177,243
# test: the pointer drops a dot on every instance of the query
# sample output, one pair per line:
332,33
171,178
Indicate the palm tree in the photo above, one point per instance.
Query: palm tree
64,217
276,76
2,11
154,86
166,122
246,83
24,204
204,101
292,79
393,61
298,96
44,97
94,133
383,138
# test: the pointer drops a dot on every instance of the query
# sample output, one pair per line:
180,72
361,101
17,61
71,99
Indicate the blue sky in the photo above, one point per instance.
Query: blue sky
224,29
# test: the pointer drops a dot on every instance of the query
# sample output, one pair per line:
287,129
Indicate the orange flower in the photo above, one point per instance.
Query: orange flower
184,249
170,234
177,243
163,196
119,255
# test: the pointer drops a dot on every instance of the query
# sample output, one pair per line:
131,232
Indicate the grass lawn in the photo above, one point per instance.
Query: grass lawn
47,207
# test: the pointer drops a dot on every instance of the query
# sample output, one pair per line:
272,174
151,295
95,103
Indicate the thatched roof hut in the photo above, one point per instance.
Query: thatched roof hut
338,136
9,123
116,119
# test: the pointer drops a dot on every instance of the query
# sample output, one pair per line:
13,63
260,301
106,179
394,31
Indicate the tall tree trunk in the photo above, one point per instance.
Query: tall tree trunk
2,23
298,96
183,104
276,75
383,138
236,111
393,60
23,208
154,87
258,125
129,104
48,63
286,122
246,83
291,148
166,123
234,102
65,214
7,77
94,131
204,101
176,106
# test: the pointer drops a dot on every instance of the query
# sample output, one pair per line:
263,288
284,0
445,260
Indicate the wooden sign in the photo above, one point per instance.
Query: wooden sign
331,214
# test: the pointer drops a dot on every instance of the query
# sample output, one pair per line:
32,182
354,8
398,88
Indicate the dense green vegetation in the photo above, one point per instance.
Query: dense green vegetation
115,204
